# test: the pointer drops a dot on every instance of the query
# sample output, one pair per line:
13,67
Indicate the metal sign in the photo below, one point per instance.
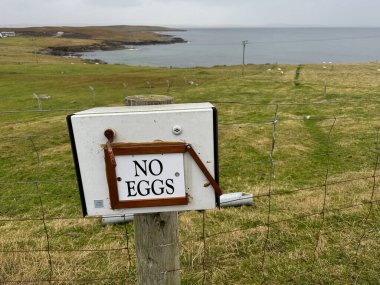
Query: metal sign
145,174
150,176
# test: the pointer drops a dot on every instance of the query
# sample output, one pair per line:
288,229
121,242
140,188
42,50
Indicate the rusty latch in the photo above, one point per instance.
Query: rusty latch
109,134
203,168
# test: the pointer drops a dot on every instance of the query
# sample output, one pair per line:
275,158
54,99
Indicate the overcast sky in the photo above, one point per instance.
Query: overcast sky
187,13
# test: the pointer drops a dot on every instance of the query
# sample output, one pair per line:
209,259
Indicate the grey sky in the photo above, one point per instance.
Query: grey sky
191,12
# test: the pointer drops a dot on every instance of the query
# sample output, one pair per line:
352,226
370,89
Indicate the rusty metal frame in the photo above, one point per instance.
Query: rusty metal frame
113,149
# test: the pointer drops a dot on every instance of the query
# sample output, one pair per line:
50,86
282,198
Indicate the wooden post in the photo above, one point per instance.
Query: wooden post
156,234
138,100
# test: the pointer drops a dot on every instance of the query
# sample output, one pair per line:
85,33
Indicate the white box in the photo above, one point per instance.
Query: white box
194,124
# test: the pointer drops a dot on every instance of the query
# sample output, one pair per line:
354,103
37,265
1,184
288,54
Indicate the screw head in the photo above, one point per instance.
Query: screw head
177,130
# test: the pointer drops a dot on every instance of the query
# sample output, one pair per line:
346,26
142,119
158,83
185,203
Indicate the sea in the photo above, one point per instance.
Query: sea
224,46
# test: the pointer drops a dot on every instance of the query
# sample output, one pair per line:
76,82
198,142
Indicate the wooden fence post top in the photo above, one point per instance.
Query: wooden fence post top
138,100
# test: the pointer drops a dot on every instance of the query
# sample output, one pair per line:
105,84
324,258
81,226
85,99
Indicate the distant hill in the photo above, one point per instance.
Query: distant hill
95,37
129,34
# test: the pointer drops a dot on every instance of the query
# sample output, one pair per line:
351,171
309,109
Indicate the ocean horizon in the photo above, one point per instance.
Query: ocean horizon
223,46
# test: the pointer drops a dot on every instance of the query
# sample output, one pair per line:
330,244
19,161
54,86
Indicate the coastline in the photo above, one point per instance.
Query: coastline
211,47
107,45
72,41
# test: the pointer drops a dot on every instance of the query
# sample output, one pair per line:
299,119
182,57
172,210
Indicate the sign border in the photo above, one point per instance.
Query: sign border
133,149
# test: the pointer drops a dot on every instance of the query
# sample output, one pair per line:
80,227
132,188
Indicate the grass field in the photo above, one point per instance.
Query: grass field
315,218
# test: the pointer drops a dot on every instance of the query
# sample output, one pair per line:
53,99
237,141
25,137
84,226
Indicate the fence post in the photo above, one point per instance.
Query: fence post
156,234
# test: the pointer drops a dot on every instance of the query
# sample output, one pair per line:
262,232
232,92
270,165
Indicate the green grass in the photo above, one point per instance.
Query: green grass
235,236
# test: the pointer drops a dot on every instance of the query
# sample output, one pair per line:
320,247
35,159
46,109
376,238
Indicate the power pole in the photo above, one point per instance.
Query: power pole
244,43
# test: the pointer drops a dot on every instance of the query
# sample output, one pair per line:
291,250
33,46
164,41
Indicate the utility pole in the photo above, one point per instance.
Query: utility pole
244,43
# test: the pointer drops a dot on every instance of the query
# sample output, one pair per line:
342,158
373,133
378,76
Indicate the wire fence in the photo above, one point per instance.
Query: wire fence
312,220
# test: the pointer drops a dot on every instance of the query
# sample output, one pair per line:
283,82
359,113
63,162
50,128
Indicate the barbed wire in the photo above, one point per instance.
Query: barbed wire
205,260
295,218
366,218
47,242
203,238
7,112
255,197
323,213
127,244
26,137
203,235
33,182
63,250
271,177
245,103
86,281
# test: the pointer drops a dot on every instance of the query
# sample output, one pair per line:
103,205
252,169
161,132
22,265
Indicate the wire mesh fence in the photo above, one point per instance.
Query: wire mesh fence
315,215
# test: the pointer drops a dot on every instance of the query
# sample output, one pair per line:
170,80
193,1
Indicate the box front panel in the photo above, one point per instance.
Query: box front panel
197,129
